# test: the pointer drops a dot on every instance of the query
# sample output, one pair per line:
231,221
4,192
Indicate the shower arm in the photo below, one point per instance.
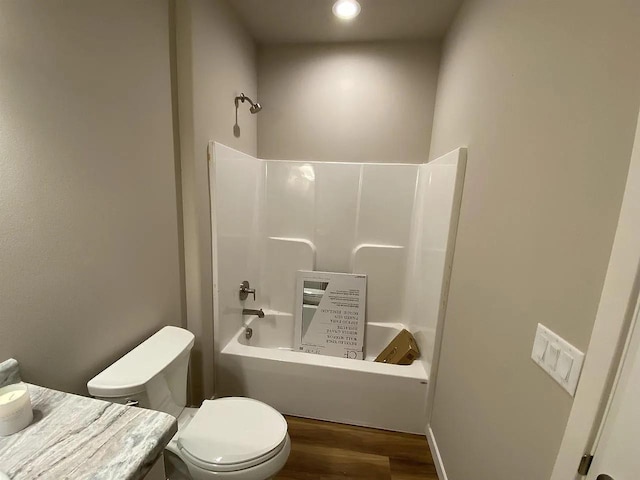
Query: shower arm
242,97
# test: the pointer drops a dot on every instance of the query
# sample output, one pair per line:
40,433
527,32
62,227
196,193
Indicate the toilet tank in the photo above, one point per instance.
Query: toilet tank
152,375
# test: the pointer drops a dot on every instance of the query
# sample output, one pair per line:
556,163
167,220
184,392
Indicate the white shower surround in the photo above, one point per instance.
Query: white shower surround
392,221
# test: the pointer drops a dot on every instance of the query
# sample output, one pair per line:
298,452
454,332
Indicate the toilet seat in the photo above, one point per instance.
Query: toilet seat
232,434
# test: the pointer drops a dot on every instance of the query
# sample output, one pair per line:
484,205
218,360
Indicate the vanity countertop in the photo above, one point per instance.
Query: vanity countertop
74,437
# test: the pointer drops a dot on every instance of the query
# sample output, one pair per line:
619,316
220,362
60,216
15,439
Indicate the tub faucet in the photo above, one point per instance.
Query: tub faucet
250,311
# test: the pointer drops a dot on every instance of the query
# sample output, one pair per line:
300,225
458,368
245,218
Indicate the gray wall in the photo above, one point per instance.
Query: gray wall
216,61
545,95
89,255
361,102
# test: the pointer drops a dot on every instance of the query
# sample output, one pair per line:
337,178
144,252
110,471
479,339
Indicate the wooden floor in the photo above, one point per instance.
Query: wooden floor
331,451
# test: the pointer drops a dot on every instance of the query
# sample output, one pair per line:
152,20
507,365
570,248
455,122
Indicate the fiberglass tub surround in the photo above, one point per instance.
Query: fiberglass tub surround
390,221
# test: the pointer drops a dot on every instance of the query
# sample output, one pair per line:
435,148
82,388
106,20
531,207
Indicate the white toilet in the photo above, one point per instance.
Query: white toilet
228,438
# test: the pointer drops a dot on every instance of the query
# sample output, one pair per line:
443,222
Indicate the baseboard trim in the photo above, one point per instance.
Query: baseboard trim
435,453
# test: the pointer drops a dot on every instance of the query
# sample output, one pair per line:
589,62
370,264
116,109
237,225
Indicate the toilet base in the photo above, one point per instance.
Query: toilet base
174,467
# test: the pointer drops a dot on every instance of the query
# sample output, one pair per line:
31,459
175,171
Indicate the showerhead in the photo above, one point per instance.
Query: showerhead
255,107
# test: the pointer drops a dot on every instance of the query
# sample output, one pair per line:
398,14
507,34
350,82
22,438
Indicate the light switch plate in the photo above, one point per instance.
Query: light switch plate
546,345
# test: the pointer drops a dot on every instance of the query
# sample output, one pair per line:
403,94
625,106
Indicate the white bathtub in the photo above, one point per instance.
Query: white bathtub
357,392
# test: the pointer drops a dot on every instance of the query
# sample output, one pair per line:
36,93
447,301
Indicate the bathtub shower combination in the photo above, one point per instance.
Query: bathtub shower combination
394,222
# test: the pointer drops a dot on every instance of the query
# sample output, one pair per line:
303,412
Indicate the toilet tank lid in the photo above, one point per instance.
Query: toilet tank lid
131,373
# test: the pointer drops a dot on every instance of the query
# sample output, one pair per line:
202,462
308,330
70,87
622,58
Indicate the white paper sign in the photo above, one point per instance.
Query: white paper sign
330,313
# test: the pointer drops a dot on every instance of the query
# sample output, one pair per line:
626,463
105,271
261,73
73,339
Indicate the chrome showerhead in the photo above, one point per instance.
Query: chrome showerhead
255,107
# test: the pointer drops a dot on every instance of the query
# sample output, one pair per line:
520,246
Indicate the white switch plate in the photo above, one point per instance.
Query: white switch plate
548,343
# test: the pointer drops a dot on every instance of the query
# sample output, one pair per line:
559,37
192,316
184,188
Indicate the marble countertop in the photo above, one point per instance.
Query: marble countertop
74,437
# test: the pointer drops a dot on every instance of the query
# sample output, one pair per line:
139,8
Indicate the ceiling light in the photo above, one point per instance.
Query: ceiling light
346,9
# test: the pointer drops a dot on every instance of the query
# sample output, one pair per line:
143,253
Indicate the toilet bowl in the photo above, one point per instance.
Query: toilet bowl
232,438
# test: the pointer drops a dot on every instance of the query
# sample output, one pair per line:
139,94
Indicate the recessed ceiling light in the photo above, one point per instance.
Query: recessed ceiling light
346,9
